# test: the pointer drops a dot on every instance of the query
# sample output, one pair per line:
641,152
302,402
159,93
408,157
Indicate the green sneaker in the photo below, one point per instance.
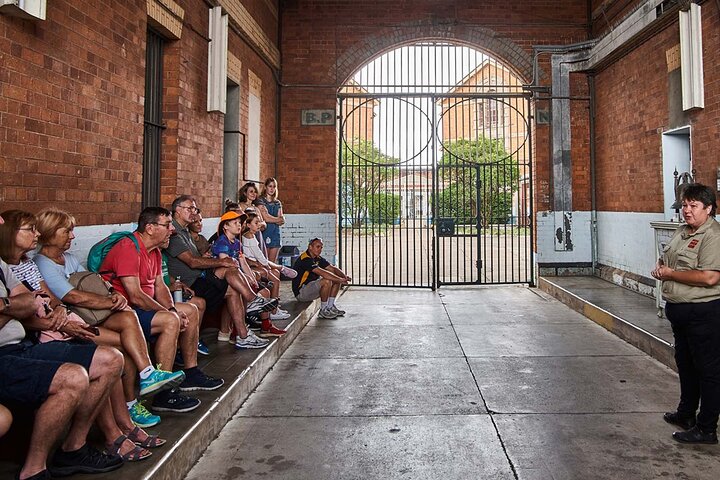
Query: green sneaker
142,417
160,380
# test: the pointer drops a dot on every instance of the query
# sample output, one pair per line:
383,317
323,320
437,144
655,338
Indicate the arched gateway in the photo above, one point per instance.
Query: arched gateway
435,170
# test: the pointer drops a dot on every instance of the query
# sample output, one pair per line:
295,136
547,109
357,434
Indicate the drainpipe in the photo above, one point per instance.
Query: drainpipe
553,49
593,179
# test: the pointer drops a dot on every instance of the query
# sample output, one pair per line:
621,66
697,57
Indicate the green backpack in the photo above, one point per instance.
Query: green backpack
99,251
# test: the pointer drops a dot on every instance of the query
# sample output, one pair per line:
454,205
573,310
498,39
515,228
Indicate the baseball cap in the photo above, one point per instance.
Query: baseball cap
232,216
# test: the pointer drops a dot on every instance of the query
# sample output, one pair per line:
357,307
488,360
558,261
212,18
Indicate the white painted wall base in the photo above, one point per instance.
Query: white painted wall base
298,230
87,236
546,233
626,241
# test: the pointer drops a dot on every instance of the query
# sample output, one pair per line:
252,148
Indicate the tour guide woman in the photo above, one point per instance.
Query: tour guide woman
690,274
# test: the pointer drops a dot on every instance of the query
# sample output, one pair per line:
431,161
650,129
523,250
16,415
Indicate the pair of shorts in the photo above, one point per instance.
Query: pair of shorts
145,318
212,289
271,236
27,369
310,291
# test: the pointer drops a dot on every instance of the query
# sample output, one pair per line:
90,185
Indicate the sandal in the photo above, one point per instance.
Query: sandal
152,441
134,455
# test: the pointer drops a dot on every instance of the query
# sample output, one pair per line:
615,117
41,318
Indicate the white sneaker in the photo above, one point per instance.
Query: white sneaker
251,341
337,311
223,337
327,313
280,310
279,315
288,272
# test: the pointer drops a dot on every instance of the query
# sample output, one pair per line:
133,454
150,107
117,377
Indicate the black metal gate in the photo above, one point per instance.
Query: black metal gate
434,171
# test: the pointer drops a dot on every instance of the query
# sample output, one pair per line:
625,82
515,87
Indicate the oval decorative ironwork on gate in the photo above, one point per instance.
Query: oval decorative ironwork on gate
435,170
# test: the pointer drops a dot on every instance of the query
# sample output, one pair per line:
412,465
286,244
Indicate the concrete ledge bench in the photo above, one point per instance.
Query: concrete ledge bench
188,434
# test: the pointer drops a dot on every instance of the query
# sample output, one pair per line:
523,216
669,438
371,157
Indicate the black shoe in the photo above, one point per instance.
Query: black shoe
197,380
172,401
674,418
84,460
253,321
695,435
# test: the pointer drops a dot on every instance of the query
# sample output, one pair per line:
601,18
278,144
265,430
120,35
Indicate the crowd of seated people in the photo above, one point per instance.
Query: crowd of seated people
80,369
76,374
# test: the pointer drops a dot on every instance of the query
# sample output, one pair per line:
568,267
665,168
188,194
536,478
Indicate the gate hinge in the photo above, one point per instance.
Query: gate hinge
478,264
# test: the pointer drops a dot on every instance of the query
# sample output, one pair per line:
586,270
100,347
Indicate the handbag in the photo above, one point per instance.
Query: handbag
92,283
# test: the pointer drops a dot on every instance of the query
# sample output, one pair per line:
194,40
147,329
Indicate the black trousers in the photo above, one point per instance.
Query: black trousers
696,327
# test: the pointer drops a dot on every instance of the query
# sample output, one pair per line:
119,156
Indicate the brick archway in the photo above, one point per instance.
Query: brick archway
483,39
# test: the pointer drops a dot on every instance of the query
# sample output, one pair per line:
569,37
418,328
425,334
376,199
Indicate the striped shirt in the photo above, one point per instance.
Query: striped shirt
27,271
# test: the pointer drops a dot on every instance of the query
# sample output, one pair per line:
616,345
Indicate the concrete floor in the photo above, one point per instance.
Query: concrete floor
473,383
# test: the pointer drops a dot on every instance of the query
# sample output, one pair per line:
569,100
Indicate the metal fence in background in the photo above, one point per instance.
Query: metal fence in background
435,170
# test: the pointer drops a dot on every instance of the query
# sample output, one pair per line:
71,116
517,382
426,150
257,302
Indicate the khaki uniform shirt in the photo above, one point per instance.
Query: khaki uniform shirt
693,251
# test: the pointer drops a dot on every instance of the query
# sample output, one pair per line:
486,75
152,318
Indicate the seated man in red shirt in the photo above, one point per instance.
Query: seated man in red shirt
136,273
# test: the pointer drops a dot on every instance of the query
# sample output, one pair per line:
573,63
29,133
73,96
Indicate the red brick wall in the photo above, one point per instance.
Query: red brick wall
633,111
579,130
706,122
631,99
323,43
71,129
71,109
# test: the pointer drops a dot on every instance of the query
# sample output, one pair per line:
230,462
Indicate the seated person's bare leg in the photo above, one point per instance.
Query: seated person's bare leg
188,340
122,416
166,326
325,289
225,320
201,306
236,309
129,380
130,377
106,419
67,389
236,281
132,340
104,371
275,291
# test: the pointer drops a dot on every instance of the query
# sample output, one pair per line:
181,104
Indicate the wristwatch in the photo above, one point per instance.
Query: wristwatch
6,303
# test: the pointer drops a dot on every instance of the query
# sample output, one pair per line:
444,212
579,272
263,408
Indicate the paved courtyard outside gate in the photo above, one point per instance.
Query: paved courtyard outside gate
435,170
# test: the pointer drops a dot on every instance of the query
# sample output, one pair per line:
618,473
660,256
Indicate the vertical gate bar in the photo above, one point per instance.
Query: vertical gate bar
531,207
433,213
460,222
478,267
476,181
410,168
341,136
416,167
491,186
404,259
433,259
504,166
363,217
514,182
